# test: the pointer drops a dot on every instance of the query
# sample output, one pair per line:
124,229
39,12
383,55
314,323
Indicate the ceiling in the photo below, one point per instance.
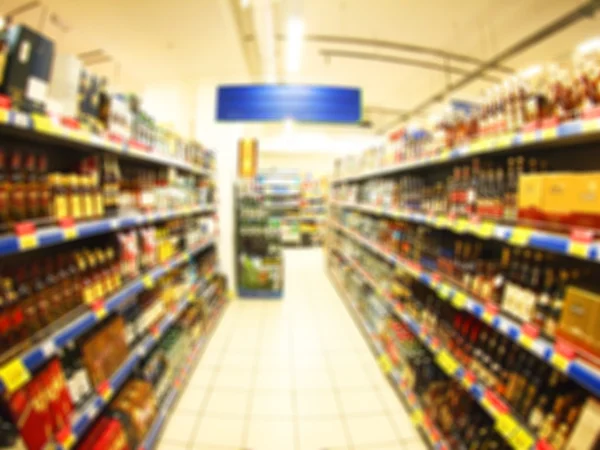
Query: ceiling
348,42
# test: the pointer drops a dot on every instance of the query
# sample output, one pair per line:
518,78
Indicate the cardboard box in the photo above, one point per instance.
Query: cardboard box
558,196
579,318
530,196
586,207
586,433
62,93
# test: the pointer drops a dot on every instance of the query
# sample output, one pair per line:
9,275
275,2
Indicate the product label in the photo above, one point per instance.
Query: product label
60,207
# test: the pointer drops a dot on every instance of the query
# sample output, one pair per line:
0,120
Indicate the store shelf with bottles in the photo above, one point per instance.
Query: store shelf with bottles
418,416
559,354
512,425
178,383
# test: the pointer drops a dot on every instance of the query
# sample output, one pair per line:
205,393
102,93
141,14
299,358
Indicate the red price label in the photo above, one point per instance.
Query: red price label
491,308
24,228
564,349
67,222
582,235
530,330
498,404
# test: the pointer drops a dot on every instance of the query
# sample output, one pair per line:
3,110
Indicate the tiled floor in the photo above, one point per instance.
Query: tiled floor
293,374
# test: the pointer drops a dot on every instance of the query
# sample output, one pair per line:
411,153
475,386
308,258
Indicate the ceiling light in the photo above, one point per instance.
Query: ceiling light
295,39
245,3
589,46
288,125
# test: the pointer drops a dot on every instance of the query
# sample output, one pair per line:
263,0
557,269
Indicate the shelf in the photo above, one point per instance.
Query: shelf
515,432
48,236
17,371
565,133
579,371
154,431
37,125
418,416
70,435
487,229
280,192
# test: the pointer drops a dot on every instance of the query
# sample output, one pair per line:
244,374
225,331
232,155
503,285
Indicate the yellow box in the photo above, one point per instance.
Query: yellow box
559,192
531,188
587,193
580,314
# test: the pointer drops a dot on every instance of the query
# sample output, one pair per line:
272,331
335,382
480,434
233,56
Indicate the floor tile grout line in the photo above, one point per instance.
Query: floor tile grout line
293,391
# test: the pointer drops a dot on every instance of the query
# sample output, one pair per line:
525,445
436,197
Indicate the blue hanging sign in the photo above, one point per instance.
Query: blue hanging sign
276,102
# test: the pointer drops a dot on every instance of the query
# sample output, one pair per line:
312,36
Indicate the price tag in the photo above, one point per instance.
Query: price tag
21,120
562,356
66,438
485,229
549,133
14,375
42,124
461,226
385,363
459,300
521,439
148,282
578,249
443,291
505,425
447,362
520,236
417,417
590,125
28,242
505,140
527,137
441,222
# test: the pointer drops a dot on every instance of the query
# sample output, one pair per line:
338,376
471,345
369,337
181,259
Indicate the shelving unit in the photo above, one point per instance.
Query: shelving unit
180,264
361,209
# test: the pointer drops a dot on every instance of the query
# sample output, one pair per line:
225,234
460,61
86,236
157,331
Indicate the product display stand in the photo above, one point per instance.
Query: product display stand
259,254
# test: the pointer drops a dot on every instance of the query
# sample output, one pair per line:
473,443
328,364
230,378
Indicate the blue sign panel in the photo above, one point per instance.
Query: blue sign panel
302,103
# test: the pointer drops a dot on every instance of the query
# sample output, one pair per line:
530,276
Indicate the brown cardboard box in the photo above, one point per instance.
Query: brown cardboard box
559,194
586,433
579,317
530,197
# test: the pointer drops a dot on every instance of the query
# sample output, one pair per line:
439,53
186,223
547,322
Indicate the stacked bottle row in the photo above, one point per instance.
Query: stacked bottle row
541,96
532,286
91,188
553,407
68,381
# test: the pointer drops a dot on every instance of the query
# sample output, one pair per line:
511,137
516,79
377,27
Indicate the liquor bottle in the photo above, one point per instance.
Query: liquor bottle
40,297
499,194
543,307
536,416
78,381
557,303
510,195
31,187
74,197
17,188
4,189
53,292
27,301
43,187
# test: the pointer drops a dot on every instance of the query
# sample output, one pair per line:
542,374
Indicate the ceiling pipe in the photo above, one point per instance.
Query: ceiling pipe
581,12
400,46
331,53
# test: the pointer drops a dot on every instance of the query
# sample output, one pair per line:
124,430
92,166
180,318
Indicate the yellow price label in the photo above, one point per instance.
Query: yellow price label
70,233
521,439
3,115
42,124
487,317
520,236
504,140
590,125
559,361
578,249
528,137
69,442
148,282
461,225
526,341
485,229
459,300
444,155
385,363
28,242
447,362
14,375
505,424
443,291
101,313
417,416
441,222
476,146
549,133
107,394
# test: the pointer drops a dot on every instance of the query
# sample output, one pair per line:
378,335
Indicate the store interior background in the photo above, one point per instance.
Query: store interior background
176,53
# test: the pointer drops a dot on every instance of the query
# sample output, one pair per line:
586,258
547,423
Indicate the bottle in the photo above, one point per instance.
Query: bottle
4,189
31,187
40,297
80,388
17,188
43,187
543,307
536,416
559,438
510,194
557,303
74,197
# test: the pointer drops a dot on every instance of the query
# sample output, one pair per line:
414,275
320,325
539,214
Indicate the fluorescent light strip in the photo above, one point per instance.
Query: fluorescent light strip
295,40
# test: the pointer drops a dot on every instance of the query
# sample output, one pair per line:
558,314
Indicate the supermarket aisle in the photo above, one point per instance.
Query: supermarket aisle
293,374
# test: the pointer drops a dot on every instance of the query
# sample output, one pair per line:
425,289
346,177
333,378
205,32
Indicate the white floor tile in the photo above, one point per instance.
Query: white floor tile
272,404
202,377
240,379
270,434
273,378
351,377
317,403
414,444
361,402
179,428
192,400
313,378
367,431
219,431
321,434
227,403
